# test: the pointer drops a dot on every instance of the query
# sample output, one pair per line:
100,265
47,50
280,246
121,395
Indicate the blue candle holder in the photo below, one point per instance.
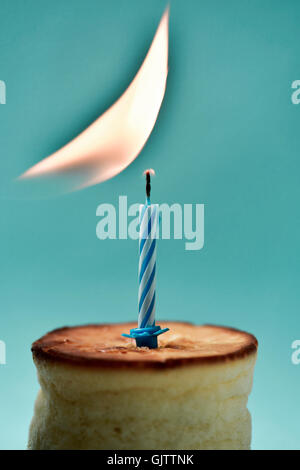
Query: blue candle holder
146,337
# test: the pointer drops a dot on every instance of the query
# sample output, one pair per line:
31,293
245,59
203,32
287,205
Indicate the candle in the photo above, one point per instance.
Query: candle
147,262
147,331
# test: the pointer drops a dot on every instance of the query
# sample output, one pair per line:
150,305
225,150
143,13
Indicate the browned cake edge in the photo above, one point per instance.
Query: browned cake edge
44,349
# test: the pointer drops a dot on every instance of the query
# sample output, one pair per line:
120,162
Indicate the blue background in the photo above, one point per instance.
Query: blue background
227,136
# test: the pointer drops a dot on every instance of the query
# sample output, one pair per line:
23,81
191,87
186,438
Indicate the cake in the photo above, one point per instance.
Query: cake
99,391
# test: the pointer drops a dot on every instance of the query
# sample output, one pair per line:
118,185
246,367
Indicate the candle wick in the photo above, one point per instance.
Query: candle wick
148,186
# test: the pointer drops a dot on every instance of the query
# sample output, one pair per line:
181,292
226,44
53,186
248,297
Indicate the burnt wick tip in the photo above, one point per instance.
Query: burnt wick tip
148,184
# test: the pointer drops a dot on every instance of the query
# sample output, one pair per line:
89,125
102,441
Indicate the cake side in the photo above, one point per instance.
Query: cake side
193,407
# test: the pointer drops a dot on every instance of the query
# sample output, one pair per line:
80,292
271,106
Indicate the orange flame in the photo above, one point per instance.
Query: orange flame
116,138
150,171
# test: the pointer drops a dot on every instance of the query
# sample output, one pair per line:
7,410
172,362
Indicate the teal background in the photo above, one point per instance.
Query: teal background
227,136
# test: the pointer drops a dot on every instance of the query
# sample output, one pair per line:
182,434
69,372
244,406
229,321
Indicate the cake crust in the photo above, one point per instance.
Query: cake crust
101,345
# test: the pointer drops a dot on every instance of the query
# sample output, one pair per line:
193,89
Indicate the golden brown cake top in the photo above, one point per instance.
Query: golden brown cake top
103,346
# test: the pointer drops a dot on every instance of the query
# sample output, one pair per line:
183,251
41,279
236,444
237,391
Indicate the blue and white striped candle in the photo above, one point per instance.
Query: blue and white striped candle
147,331
147,264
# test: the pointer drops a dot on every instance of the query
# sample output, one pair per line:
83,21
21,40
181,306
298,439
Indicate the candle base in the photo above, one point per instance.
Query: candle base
146,337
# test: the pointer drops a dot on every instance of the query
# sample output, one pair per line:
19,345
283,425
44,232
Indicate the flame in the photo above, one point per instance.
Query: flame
116,138
150,171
